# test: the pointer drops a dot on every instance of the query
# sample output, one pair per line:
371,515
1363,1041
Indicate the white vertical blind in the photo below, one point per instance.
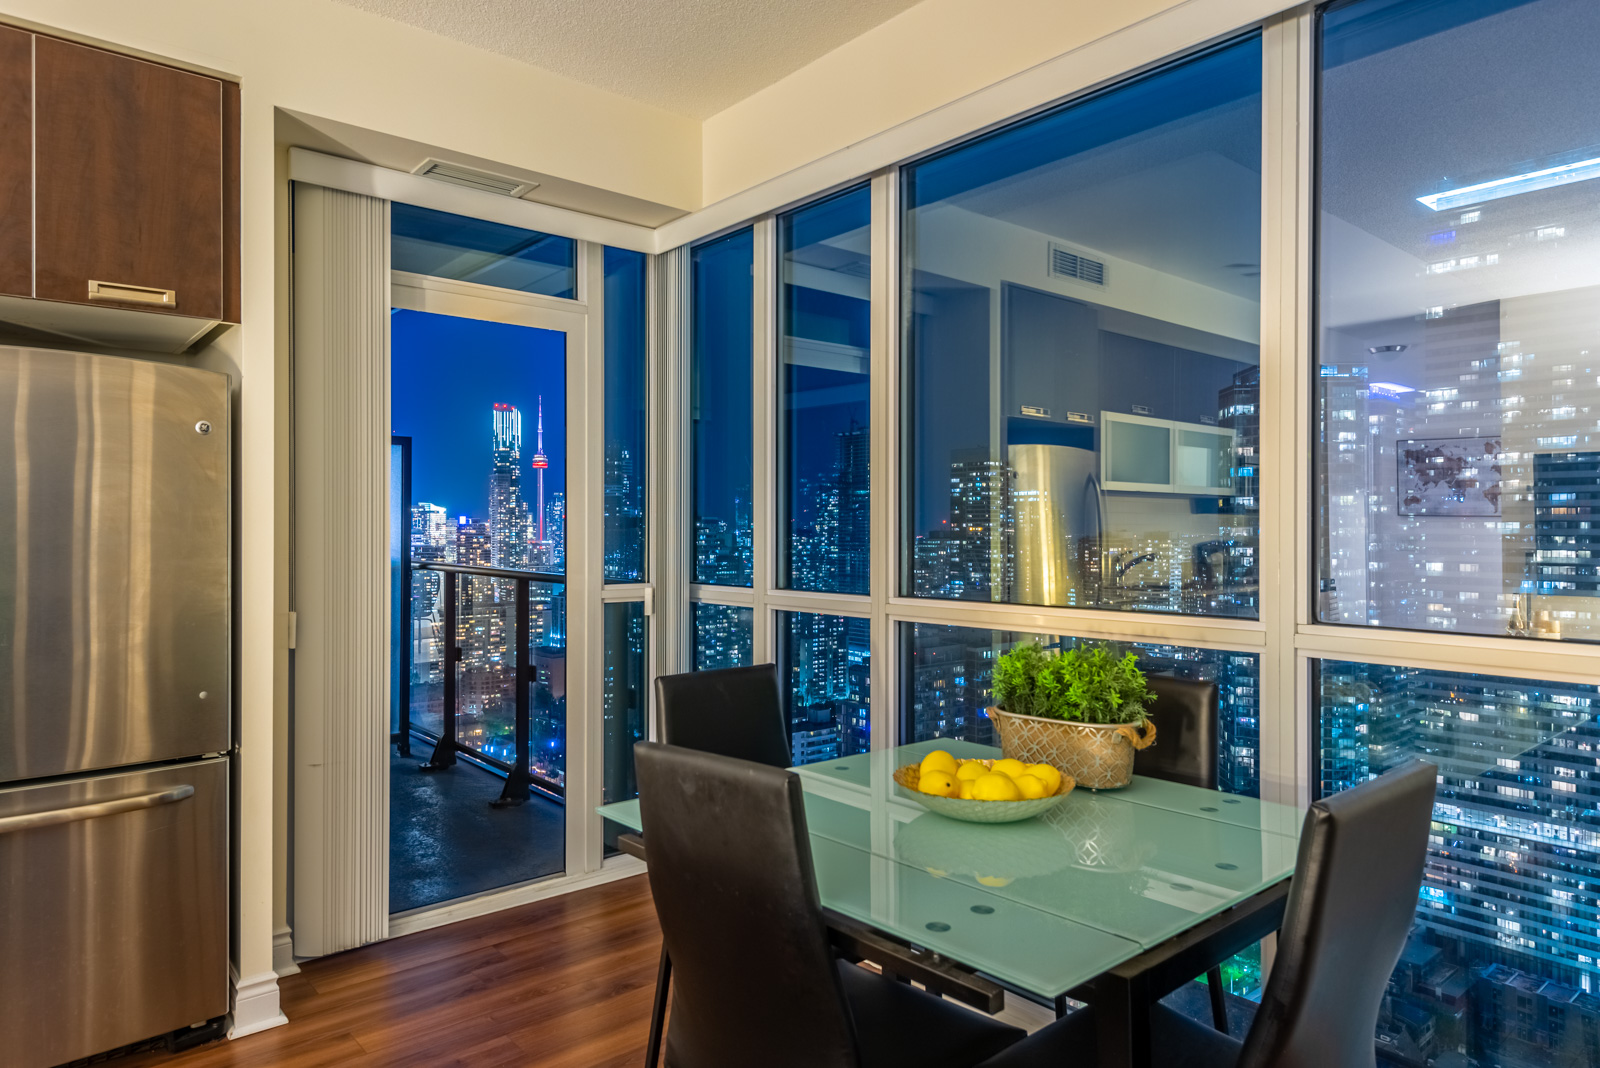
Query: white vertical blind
340,570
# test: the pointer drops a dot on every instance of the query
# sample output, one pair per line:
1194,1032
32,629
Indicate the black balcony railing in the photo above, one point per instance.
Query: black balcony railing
520,779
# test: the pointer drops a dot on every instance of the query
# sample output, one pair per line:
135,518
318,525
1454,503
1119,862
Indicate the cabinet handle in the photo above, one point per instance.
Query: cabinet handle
93,810
125,294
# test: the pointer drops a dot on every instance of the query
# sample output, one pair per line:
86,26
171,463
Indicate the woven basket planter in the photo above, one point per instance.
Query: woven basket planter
1098,755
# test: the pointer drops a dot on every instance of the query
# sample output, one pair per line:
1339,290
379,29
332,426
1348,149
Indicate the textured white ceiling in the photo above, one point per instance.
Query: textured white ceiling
693,57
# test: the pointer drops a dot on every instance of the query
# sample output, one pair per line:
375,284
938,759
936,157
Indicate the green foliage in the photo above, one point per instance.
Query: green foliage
1084,686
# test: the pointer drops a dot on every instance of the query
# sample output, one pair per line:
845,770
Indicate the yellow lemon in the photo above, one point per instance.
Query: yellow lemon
1010,768
992,880
971,769
939,783
939,760
1047,775
1029,786
995,787
966,789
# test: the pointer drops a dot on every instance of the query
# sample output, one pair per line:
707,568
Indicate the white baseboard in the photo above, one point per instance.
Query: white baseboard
255,1005
283,953
614,868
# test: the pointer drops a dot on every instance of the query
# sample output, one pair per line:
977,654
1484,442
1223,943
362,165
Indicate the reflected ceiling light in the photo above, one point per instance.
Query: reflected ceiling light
1375,349
1510,187
1388,389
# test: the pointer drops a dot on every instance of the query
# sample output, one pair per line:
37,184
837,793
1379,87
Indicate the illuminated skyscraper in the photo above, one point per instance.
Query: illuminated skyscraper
981,517
508,514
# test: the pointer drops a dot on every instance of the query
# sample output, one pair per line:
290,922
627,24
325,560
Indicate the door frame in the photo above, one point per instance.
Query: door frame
582,321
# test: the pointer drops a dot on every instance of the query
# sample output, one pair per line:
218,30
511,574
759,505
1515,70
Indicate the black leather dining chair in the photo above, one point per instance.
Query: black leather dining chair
1185,715
1351,905
731,872
734,712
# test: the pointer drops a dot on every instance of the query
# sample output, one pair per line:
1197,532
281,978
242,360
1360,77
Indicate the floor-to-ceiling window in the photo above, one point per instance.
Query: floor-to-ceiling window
1457,469
1082,352
824,319
626,627
721,399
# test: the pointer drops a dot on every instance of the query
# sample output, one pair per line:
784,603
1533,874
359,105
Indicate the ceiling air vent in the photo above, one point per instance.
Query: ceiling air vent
472,178
1069,263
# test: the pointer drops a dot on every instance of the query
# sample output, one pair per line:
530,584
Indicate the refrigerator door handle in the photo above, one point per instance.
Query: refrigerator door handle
94,810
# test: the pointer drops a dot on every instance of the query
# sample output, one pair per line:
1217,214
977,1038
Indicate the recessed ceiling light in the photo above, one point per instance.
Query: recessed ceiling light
1375,349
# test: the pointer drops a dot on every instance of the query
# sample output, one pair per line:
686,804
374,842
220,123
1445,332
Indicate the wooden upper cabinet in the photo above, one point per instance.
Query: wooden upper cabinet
131,161
16,162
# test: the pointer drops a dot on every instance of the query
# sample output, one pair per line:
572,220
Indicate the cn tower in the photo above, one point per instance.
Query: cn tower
540,462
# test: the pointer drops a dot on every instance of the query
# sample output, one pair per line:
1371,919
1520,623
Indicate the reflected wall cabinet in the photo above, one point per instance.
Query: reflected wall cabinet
1165,456
119,195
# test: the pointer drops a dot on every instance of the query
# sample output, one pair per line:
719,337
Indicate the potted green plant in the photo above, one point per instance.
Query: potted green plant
1082,711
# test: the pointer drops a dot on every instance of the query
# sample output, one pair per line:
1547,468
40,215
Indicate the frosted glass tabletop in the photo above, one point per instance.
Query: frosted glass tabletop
1044,904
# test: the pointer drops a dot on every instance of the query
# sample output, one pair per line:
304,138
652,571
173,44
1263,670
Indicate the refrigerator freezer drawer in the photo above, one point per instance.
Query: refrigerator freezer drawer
113,910
114,563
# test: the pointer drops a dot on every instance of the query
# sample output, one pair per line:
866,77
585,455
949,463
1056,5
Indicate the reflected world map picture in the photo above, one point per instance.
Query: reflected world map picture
1450,477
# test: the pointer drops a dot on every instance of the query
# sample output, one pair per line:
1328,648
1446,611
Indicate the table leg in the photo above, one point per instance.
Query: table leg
658,1011
1122,1021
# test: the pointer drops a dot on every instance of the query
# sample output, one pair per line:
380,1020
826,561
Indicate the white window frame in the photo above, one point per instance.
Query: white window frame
582,321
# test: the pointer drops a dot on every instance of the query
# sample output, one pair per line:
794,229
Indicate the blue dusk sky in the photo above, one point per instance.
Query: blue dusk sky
446,376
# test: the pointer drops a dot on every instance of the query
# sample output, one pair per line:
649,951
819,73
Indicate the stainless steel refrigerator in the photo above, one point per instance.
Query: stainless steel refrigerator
114,702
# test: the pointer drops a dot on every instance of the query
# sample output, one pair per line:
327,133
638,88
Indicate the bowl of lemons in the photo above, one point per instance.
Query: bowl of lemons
983,791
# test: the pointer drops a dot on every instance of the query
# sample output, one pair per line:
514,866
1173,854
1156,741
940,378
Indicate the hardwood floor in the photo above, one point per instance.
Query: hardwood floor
561,983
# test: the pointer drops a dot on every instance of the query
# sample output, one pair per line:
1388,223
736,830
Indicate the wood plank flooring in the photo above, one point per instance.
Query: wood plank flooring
561,983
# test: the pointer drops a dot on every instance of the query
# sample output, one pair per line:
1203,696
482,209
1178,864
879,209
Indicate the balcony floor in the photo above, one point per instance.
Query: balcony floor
445,842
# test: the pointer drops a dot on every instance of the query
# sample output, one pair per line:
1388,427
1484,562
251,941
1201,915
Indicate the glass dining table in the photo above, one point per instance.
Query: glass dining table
1090,900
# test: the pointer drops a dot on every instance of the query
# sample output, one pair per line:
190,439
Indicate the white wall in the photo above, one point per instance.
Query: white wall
931,56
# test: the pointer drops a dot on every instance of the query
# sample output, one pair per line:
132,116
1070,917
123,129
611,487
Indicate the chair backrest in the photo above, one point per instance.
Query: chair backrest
753,976
1351,905
734,712
1185,715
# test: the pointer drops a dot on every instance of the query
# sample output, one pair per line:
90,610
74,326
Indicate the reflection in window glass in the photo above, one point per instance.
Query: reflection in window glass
824,320
623,696
827,661
721,411
475,250
626,426
1458,382
1501,963
948,688
722,636
1082,322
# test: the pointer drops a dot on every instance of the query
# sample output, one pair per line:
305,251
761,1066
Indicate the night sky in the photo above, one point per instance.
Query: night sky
447,374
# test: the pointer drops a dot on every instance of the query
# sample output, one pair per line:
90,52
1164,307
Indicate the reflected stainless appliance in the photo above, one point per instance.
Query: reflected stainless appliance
114,702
